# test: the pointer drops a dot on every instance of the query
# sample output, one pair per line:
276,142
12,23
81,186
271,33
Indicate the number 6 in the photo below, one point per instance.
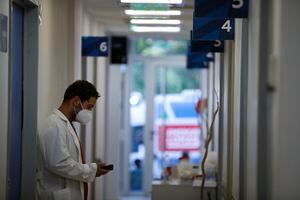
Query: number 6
103,46
237,4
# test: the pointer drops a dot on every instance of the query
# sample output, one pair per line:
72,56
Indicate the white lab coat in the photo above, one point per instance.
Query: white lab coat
60,172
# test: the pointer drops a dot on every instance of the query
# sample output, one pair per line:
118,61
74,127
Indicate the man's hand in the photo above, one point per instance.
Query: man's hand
101,171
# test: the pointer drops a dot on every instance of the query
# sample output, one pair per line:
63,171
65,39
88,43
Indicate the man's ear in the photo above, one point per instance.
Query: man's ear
75,100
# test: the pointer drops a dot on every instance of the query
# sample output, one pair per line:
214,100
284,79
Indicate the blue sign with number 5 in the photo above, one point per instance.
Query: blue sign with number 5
95,46
213,29
221,8
204,46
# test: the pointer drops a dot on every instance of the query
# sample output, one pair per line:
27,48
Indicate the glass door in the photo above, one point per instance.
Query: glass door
137,115
163,123
176,125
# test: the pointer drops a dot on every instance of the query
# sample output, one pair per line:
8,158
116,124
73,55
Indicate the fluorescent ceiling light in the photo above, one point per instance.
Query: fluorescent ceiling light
153,1
155,21
153,12
142,29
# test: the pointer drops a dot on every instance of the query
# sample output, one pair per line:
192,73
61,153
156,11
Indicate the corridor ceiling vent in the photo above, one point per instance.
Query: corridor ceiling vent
176,2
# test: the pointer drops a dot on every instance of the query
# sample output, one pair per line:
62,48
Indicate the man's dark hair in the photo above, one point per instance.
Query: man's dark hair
84,89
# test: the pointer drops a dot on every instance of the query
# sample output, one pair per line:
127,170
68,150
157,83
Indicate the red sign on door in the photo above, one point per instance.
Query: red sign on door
179,138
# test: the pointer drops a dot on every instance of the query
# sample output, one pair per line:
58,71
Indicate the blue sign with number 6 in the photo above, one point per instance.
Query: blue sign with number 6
95,46
213,29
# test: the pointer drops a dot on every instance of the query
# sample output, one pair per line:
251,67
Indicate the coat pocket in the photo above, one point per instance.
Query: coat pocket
43,195
63,194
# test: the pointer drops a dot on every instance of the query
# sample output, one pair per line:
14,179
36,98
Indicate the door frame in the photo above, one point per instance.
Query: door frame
30,98
16,102
153,64
150,64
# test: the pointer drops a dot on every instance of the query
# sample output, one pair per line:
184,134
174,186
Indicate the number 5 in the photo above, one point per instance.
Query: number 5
237,4
218,43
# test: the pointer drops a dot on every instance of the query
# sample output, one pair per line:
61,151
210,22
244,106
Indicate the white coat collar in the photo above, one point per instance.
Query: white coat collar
60,114
70,128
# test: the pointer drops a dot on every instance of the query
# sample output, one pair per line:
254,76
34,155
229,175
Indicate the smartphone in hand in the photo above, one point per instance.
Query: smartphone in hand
108,167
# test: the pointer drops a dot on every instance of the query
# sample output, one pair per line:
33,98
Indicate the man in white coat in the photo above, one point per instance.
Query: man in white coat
62,173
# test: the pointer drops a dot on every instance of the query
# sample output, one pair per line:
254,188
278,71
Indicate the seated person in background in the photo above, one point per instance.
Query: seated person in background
136,176
184,157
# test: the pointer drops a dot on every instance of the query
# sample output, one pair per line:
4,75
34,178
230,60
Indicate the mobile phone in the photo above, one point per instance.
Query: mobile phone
108,167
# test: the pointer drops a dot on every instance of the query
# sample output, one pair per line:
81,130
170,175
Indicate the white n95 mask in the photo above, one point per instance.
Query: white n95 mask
84,116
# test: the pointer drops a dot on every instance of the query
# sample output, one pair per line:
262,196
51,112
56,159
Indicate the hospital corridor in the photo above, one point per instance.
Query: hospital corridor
149,99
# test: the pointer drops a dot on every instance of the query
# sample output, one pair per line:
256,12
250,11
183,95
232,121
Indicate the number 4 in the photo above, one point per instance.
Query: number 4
226,26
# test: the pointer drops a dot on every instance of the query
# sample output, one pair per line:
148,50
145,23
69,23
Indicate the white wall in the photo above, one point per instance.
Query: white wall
236,110
284,106
63,24
113,129
211,100
252,129
101,123
56,58
217,81
233,88
227,119
97,66
4,74
271,139
265,115
224,120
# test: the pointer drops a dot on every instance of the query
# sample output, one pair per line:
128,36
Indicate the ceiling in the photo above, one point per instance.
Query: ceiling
111,13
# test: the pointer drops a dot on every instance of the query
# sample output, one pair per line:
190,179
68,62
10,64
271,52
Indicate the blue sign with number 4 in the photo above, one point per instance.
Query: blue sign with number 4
221,8
213,29
95,46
